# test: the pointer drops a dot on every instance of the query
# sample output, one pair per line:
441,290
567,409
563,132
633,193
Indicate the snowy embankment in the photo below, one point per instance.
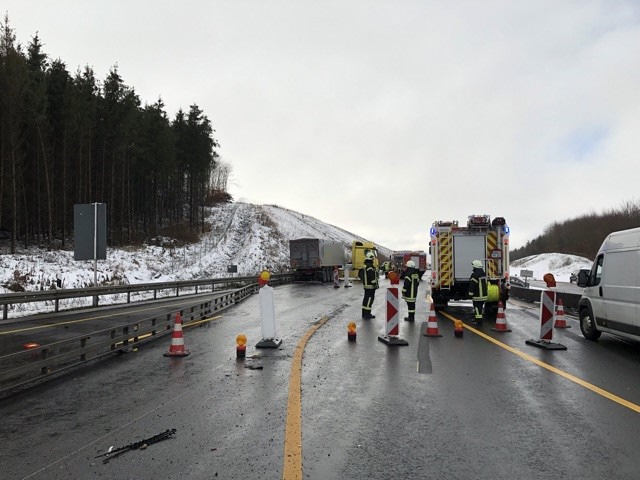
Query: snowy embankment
251,237
559,264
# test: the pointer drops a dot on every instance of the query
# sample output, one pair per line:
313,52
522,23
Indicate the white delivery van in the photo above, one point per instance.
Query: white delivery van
611,299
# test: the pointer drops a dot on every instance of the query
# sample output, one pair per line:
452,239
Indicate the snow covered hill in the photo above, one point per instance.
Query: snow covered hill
252,237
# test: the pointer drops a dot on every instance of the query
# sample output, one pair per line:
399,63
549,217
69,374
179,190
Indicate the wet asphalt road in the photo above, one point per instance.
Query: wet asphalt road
487,409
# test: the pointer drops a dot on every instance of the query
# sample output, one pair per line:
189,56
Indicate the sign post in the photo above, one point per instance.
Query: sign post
90,236
526,274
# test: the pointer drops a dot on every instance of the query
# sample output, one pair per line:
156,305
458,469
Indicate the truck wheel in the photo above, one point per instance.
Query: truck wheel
588,325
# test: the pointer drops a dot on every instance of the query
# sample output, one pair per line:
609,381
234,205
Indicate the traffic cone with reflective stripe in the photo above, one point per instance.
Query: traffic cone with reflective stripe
432,324
561,322
501,321
177,340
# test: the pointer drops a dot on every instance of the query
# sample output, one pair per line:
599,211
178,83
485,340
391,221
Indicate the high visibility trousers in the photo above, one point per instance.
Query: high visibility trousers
477,309
367,301
411,306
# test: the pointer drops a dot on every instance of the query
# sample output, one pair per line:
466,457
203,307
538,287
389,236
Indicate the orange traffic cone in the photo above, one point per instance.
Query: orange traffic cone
560,320
177,340
501,321
432,324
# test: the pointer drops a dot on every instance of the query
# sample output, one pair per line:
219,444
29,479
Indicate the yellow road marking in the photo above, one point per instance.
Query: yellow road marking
292,469
70,322
204,320
186,325
562,373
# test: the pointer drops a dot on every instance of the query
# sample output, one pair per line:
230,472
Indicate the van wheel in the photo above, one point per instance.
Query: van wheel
588,325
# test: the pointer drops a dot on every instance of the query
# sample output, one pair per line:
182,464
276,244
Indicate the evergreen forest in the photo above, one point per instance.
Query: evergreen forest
582,235
70,138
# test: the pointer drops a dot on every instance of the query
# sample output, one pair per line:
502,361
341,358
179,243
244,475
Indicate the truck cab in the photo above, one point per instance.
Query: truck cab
358,251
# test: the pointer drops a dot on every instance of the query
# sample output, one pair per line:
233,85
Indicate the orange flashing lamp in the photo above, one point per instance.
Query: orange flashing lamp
457,328
263,278
351,331
241,345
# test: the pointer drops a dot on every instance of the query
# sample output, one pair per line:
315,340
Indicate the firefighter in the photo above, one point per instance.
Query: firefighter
336,277
478,291
410,288
386,268
369,277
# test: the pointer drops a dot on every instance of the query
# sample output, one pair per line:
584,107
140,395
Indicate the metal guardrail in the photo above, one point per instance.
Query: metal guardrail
44,362
569,300
166,289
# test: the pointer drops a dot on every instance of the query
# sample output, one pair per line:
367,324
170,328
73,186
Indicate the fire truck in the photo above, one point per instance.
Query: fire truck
454,247
400,258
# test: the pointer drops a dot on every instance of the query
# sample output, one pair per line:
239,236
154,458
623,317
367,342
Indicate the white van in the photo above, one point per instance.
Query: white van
611,298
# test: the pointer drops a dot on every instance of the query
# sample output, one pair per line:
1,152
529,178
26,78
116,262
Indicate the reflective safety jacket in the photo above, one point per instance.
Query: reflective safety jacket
478,285
368,275
410,285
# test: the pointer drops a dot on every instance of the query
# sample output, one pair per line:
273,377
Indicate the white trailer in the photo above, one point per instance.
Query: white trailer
313,259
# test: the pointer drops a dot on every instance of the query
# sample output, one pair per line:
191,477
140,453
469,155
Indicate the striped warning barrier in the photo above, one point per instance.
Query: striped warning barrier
547,308
391,327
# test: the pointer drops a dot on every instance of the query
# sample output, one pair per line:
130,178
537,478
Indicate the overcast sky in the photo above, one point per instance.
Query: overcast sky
381,117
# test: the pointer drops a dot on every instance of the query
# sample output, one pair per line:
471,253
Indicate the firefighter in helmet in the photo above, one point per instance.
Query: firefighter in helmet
369,277
478,291
410,288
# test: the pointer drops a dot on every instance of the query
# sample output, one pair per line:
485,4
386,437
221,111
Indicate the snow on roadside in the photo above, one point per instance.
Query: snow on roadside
559,264
252,237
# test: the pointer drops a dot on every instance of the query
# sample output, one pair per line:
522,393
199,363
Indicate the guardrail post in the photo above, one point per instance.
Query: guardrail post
44,354
83,344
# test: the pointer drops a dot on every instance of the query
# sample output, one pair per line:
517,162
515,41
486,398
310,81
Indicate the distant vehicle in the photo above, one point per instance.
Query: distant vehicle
575,275
517,282
454,247
400,258
611,301
313,259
